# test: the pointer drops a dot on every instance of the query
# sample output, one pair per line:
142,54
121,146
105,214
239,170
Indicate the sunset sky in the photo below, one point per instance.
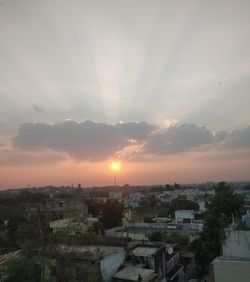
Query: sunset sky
163,86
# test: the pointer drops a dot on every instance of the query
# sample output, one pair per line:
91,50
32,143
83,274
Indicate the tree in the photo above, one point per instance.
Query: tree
181,240
152,201
148,219
23,269
32,234
95,207
221,207
112,214
177,186
156,236
169,187
179,204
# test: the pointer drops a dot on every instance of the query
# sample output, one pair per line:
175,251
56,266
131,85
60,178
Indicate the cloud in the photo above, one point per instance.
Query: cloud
95,141
177,139
89,141
189,137
136,130
238,139
10,157
220,135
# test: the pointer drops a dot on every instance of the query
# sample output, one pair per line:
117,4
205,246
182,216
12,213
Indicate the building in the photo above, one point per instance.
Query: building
202,206
127,216
65,207
73,226
138,196
84,263
117,195
131,204
187,258
234,264
141,231
246,219
184,216
159,257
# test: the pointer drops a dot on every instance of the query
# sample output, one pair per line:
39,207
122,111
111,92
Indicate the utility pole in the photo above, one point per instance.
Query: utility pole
115,179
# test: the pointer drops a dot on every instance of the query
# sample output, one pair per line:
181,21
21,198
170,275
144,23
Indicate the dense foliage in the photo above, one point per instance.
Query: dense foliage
221,208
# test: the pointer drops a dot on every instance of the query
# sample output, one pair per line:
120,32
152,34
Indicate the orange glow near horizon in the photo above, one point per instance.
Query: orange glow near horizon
115,166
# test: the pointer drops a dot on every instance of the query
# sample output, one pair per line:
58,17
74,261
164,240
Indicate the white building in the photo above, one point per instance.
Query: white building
202,206
182,216
234,264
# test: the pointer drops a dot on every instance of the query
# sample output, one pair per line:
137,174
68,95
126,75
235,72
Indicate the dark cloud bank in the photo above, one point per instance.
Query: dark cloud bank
93,141
88,140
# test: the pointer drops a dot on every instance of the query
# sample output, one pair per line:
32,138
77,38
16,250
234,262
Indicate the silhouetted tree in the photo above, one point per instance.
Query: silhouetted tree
148,219
112,214
23,269
179,204
220,208
156,236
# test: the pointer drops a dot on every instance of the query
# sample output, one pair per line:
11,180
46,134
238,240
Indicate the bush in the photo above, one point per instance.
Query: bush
156,236
22,269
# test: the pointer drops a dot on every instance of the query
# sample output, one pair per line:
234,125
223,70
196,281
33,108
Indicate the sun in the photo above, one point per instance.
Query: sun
115,166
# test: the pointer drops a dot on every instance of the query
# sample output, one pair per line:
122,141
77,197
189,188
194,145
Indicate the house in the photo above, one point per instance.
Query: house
234,264
117,195
73,225
141,231
202,206
127,216
159,257
138,196
65,207
246,219
184,216
132,204
187,258
84,263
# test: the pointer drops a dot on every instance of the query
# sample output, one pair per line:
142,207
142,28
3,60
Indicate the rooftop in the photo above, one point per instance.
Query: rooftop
232,259
144,251
185,211
89,253
131,273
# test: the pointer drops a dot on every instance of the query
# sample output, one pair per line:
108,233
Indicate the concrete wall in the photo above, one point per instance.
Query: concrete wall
110,264
180,215
246,219
237,244
231,271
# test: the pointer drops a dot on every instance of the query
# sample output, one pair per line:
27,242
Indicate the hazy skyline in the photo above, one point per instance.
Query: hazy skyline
161,85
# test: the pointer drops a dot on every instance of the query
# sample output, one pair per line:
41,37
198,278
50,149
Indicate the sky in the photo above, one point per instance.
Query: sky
162,86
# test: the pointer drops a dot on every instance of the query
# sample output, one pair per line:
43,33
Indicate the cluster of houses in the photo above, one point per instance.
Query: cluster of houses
136,262
127,254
